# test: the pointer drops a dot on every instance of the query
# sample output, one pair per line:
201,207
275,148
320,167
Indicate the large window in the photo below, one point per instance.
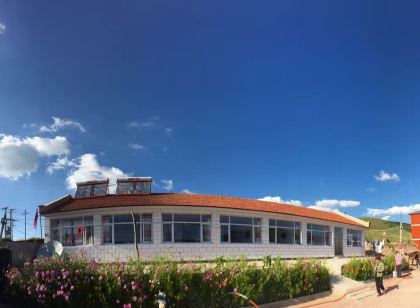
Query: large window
284,232
118,229
318,235
73,232
354,238
186,228
236,229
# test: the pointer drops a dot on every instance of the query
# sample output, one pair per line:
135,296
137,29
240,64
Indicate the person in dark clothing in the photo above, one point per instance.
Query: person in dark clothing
379,270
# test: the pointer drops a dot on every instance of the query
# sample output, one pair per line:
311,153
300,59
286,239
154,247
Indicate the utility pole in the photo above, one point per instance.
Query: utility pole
11,223
24,214
400,232
3,222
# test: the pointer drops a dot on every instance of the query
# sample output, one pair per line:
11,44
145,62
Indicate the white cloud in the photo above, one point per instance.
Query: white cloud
386,217
136,146
20,156
61,123
278,199
168,130
333,203
168,185
187,191
387,177
150,122
88,168
59,164
395,210
2,28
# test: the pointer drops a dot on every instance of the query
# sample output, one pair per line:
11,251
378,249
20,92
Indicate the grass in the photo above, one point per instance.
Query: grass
378,226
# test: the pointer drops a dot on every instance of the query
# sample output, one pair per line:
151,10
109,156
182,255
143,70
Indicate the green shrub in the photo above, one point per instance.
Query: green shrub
363,268
69,282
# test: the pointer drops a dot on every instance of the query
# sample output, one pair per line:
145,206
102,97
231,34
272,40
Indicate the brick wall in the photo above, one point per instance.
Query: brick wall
205,251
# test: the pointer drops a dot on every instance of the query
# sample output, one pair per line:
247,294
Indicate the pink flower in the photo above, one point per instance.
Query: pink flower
134,286
127,305
134,298
117,301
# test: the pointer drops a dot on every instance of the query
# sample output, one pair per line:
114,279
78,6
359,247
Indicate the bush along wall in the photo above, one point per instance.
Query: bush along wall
363,268
75,282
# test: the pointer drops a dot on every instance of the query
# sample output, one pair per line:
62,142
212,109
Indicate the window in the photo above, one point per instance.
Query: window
284,232
73,232
118,229
318,235
354,238
235,229
186,228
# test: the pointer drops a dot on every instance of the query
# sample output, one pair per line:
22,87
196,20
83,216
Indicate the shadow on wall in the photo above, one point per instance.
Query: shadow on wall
21,250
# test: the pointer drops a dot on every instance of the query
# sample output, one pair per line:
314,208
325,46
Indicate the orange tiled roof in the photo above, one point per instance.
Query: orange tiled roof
211,201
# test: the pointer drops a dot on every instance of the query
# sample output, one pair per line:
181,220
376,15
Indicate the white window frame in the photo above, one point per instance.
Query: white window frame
173,222
276,227
326,231
253,225
359,237
85,224
140,223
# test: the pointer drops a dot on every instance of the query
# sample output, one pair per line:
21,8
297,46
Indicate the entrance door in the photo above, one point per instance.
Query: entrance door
338,241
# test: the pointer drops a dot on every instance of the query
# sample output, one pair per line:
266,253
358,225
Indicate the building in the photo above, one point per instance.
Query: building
415,228
193,226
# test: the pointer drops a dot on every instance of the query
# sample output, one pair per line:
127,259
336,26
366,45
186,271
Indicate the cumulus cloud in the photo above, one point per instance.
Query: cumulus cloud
20,156
167,185
278,199
334,203
395,210
2,28
387,177
136,146
187,191
59,164
87,167
61,123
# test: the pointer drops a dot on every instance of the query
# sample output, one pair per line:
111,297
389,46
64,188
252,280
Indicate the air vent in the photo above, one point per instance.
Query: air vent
92,188
141,185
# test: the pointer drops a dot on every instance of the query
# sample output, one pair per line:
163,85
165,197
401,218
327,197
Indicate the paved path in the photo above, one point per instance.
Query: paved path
400,293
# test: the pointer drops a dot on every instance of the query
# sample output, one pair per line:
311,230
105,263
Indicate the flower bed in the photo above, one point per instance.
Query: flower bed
71,282
361,269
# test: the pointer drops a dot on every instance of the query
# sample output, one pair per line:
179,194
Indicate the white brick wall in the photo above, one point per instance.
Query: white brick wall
190,251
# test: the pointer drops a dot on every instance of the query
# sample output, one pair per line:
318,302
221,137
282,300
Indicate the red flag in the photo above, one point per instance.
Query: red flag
80,230
36,219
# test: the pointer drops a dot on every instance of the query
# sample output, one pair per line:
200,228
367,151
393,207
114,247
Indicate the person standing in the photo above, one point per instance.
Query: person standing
379,270
398,263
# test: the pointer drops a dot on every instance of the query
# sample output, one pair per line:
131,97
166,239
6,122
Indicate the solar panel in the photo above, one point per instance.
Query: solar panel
134,186
92,189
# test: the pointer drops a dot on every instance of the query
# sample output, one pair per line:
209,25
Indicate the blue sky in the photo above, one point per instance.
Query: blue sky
302,100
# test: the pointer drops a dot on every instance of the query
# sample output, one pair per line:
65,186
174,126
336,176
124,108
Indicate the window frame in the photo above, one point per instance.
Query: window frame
59,227
254,227
172,222
276,227
359,237
139,222
326,234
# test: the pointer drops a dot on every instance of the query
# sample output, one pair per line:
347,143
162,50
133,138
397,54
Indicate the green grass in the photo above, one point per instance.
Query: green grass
378,226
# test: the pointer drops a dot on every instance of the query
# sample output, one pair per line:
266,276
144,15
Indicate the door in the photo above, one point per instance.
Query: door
338,241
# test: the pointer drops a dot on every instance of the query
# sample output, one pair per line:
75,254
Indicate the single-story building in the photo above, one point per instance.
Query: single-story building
193,226
415,228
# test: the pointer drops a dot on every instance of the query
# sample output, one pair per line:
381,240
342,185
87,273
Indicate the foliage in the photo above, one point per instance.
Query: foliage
363,268
377,227
73,281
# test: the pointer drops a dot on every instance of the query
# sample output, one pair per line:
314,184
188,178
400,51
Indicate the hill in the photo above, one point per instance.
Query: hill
378,226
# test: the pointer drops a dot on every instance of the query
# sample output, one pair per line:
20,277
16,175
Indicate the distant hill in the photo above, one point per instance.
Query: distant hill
378,226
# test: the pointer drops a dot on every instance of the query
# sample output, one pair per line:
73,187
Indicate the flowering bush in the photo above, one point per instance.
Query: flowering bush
68,282
363,268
